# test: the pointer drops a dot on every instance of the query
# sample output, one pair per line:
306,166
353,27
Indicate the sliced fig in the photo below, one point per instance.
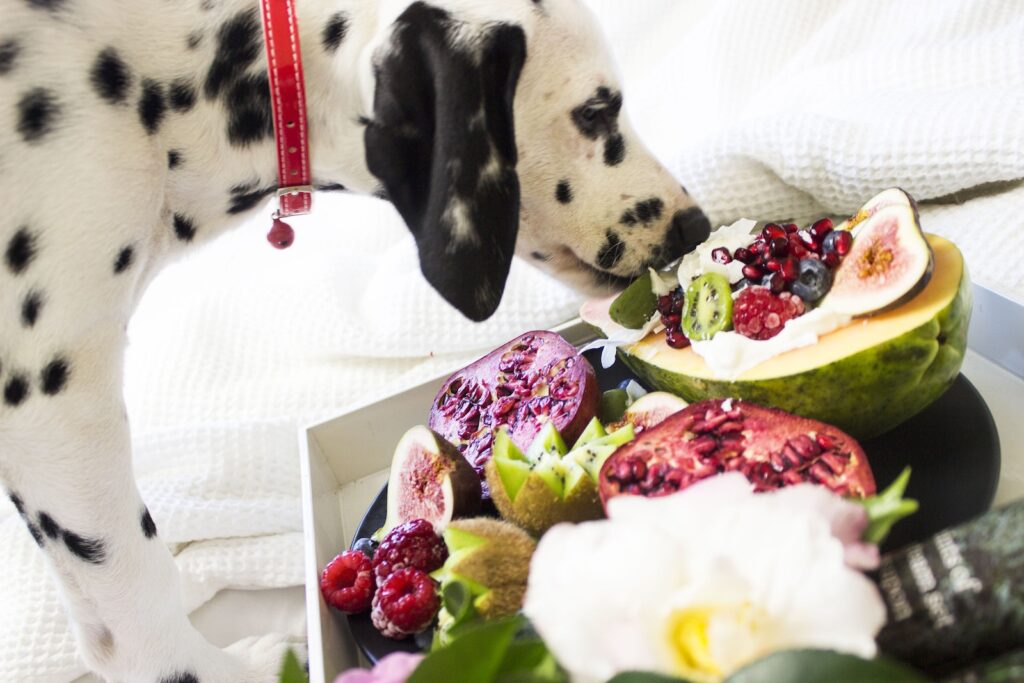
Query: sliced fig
649,410
889,262
771,447
534,379
429,480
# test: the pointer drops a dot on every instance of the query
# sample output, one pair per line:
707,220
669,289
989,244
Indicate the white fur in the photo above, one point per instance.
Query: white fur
99,182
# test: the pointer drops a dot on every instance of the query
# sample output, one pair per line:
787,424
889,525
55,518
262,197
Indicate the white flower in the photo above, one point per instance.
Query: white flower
703,582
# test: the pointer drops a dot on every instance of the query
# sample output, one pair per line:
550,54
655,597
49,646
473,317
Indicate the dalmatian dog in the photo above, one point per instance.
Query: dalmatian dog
132,131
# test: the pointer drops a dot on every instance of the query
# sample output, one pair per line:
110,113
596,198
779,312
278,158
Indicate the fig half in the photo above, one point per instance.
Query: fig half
429,480
890,260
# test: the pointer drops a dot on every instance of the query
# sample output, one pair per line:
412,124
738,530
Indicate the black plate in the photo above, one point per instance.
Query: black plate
952,446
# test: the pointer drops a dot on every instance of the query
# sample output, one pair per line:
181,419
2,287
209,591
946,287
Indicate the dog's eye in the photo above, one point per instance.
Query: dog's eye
590,113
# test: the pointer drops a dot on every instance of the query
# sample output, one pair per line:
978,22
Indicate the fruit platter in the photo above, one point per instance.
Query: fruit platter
647,496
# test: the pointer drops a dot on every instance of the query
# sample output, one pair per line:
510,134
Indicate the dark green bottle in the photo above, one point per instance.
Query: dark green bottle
957,598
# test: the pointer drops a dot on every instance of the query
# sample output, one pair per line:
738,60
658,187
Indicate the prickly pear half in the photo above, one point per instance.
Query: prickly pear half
534,379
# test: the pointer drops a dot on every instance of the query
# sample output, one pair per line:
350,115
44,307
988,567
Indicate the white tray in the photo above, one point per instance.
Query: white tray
344,465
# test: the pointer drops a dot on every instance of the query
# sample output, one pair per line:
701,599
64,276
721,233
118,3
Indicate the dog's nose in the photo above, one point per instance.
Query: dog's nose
689,228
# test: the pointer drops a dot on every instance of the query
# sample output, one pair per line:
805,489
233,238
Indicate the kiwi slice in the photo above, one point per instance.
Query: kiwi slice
708,307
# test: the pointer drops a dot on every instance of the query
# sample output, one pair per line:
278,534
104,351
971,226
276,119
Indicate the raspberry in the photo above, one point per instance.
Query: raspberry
347,582
759,314
413,544
405,603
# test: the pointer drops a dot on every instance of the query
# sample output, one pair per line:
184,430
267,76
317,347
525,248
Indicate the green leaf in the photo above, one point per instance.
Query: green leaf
530,660
886,508
457,599
823,666
637,303
644,677
291,670
474,657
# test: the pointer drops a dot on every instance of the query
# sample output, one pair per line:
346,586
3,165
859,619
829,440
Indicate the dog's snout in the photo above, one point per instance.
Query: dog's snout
689,227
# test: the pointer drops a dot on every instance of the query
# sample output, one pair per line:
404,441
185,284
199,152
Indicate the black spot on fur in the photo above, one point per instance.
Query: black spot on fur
249,115
9,50
238,46
49,527
17,502
173,159
152,105
184,227
247,196
54,376
181,677
649,209
193,39
20,251
614,150
124,259
16,390
598,116
536,255
30,307
334,31
148,525
629,218
110,76
50,5
563,192
91,550
182,95
37,112
611,252
37,535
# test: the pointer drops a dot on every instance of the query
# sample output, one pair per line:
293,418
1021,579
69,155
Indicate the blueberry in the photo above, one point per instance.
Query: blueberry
365,546
829,245
814,280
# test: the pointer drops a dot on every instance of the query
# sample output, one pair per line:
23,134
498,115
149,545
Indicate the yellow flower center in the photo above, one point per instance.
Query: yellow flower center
739,629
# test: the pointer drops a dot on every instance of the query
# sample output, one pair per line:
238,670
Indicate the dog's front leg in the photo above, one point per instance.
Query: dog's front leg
66,463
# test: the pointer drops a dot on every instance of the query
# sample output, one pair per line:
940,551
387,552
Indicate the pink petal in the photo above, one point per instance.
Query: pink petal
396,667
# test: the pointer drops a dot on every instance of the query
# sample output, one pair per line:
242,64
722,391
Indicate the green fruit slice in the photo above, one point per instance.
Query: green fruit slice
708,307
613,405
593,430
637,303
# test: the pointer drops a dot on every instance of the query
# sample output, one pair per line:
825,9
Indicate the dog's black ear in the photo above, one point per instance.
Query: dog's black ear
442,142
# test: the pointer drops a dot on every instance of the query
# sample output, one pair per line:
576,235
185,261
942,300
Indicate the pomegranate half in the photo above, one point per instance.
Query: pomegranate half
771,447
536,378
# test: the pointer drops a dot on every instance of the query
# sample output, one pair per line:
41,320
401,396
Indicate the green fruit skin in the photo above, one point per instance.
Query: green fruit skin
865,394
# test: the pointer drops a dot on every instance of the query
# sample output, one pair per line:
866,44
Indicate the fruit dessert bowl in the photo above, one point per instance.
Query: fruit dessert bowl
861,325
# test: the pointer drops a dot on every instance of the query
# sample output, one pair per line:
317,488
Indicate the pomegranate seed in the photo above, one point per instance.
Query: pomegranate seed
752,272
775,282
808,241
743,255
671,320
665,304
831,259
772,265
758,247
721,255
789,270
821,228
844,241
825,442
675,338
779,246
791,228
773,230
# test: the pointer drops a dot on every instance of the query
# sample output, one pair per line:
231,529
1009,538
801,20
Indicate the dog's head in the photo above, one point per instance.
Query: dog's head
486,129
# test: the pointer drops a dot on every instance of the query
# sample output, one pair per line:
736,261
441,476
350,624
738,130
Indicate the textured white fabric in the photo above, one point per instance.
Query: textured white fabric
762,109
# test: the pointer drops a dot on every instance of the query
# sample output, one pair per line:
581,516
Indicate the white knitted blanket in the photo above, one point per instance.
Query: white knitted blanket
762,109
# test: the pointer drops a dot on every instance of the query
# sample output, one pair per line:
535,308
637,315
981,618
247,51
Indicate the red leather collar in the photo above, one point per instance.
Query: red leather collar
288,102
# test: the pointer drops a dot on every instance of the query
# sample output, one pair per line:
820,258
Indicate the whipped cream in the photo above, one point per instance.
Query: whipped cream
729,354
